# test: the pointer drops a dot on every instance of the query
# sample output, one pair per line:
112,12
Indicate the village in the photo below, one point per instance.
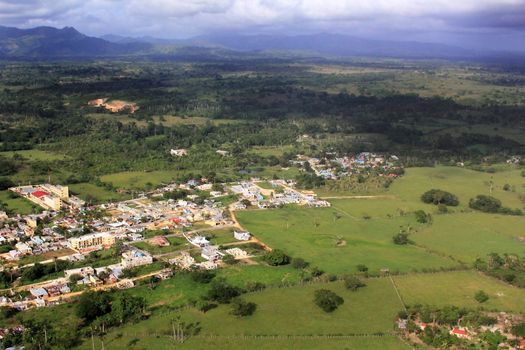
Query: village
115,245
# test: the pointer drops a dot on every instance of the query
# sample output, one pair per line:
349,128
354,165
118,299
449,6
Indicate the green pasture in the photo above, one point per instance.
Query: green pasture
89,191
337,239
282,312
18,204
458,288
139,179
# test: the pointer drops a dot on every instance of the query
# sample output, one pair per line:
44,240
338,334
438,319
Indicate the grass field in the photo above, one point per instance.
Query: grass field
139,179
19,205
458,288
176,244
464,183
337,240
89,191
294,314
35,154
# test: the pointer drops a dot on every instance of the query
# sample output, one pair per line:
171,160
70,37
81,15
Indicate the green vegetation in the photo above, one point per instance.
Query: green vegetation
327,300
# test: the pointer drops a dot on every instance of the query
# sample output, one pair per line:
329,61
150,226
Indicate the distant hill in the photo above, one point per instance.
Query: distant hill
47,42
53,43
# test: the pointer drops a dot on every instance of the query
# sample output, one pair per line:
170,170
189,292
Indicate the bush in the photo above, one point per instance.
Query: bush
481,297
422,217
485,204
401,239
353,283
362,268
298,263
277,257
437,197
229,259
327,300
242,308
222,292
202,276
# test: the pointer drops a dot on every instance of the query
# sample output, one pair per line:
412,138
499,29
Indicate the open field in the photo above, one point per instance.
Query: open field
19,205
176,244
458,288
336,241
464,183
35,154
139,179
294,314
89,192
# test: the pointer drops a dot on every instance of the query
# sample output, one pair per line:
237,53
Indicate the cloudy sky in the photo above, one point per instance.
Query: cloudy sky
498,24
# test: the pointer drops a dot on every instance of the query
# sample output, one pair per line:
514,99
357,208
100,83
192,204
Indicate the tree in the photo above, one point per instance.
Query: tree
222,292
362,268
277,257
481,297
242,308
93,304
518,329
229,259
126,307
327,300
422,217
202,276
401,239
299,263
353,283
437,197
74,278
485,204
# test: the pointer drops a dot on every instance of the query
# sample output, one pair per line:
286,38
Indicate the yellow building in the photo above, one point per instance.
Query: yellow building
93,241
57,190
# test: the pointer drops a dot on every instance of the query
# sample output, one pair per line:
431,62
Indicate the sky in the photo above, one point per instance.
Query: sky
493,24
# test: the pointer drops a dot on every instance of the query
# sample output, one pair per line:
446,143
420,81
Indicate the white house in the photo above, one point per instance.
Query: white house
242,235
179,152
211,253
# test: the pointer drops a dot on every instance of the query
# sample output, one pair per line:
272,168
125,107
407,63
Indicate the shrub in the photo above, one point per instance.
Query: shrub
202,276
277,257
437,197
327,300
485,204
401,239
481,297
229,259
222,292
362,268
299,263
353,283
422,217
242,308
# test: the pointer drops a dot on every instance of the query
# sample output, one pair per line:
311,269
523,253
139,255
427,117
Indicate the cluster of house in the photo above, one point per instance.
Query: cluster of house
181,152
332,167
13,330
48,196
503,324
21,232
281,193
211,254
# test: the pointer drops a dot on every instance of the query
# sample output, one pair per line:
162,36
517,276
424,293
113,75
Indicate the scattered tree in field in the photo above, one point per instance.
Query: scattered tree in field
437,197
93,304
362,268
222,292
299,263
353,283
327,300
202,276
481,297
242,308
277,257
401,239
485,204
423,217
229,259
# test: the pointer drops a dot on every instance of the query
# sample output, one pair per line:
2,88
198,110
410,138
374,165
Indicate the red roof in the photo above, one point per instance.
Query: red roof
39,194
522,343
459,331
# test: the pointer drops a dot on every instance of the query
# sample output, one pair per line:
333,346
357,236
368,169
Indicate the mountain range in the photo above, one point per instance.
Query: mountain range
53,43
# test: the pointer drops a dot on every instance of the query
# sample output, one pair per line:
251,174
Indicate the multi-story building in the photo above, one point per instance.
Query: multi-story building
93,241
